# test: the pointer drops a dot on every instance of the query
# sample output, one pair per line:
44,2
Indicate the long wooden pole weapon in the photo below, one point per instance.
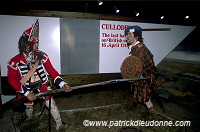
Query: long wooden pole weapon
48,92
18,101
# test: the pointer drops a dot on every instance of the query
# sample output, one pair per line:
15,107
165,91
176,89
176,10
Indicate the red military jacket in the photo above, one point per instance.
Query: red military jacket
18,67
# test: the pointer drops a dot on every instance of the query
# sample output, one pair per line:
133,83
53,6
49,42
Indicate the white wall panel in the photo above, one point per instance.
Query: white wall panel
12,28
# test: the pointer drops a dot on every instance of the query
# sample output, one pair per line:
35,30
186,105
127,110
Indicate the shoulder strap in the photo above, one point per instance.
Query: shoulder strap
30,73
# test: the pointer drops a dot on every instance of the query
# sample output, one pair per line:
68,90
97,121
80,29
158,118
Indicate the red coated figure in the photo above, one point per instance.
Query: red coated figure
25,80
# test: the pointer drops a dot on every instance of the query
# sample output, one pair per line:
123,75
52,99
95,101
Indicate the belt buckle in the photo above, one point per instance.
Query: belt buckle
35,79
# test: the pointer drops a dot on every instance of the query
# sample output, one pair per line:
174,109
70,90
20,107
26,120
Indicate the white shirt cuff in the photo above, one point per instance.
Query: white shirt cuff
62,83
27,93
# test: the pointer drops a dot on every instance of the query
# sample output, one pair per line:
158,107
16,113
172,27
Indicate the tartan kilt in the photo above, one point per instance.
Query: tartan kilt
142,91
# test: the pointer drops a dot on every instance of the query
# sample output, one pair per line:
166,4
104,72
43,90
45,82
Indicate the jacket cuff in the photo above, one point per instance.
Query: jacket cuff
59,81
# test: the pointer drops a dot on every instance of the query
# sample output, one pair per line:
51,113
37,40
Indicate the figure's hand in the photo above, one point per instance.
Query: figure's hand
31,96
68,89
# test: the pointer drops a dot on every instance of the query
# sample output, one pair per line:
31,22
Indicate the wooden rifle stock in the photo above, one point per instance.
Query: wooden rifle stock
19,101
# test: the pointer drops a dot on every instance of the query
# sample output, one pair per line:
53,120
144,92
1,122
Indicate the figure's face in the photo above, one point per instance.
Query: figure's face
36,46
130,38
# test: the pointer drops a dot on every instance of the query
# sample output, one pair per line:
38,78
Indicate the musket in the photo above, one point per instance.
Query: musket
18,101
48,92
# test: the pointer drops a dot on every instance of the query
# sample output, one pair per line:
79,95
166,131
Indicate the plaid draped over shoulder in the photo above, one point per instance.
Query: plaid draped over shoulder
143,89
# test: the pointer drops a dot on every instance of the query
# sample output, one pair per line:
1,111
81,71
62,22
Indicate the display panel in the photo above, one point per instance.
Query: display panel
79,46
161,39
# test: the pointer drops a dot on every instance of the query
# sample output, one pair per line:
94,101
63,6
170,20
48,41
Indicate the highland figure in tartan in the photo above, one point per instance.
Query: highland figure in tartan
20,66
143,89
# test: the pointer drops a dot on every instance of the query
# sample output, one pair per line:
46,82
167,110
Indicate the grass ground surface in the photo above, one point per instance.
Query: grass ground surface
73,121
